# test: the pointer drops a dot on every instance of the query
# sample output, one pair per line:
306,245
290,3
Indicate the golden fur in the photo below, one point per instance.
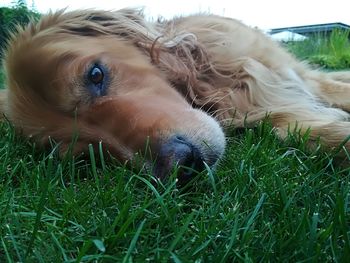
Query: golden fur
182,76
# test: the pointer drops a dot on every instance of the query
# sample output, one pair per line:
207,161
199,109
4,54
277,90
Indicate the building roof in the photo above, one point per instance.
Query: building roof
286,36
311,28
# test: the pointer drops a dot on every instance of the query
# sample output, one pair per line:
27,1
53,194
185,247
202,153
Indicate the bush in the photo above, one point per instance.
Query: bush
331,61
331,53
19,14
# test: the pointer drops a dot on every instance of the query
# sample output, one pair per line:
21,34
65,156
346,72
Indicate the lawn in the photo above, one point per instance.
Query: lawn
332,53
269,200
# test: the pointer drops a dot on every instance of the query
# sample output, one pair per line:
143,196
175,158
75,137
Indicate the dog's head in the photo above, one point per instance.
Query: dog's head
83,74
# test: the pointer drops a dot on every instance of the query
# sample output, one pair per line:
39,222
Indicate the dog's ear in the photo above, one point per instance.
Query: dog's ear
187,67
3,103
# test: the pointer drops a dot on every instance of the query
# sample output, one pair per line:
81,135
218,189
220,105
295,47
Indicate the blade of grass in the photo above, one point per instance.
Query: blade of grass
14,243
175,258
253,215
313,234
8,257
159,198
86,245
102,158
93,166
211,178
59,246
44,183
133,242
232,238
181,231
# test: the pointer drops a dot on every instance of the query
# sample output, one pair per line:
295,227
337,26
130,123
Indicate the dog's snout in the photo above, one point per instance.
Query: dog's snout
179,151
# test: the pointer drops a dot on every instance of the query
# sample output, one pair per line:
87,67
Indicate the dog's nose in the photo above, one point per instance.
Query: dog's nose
179,151
186,154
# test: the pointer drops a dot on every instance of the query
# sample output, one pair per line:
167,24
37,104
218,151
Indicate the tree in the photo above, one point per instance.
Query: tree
20,14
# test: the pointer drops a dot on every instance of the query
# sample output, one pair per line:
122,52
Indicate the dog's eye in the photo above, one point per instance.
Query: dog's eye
96,75
96,80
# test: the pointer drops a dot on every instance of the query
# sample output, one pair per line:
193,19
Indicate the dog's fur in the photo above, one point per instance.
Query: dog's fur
183,76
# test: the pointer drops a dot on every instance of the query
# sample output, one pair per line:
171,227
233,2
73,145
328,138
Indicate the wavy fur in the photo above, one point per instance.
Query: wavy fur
230,71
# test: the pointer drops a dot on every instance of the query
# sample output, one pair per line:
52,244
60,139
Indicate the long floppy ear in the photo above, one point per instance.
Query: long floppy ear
187,66
3,103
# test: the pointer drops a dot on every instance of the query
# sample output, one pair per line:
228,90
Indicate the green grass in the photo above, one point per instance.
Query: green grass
268,201
2,78
330,53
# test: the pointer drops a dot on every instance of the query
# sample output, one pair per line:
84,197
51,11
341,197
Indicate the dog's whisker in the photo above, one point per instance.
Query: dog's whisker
217,113
214,102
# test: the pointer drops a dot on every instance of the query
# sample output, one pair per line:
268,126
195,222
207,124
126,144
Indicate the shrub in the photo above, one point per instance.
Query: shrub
331,53
11,16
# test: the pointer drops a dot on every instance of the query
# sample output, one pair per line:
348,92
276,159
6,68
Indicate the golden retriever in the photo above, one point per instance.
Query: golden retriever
165,89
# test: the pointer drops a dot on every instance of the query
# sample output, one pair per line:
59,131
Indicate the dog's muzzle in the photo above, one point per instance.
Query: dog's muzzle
181,154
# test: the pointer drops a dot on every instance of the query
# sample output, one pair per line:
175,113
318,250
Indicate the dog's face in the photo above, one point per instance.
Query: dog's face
105,89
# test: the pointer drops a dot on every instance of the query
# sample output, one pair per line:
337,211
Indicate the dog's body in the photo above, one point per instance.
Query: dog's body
116,78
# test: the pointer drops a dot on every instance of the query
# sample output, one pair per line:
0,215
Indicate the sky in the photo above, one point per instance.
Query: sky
264,14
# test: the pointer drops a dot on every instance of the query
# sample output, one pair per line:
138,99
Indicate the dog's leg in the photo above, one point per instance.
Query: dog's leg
289,100
334,88
343,76
331,133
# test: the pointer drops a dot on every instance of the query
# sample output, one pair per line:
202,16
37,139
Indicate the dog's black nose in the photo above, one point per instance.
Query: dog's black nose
179,151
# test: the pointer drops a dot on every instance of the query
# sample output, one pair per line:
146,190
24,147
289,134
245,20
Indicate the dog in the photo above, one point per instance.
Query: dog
166,89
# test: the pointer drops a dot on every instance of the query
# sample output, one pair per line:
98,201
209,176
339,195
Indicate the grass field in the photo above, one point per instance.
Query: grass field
332,53
269,200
